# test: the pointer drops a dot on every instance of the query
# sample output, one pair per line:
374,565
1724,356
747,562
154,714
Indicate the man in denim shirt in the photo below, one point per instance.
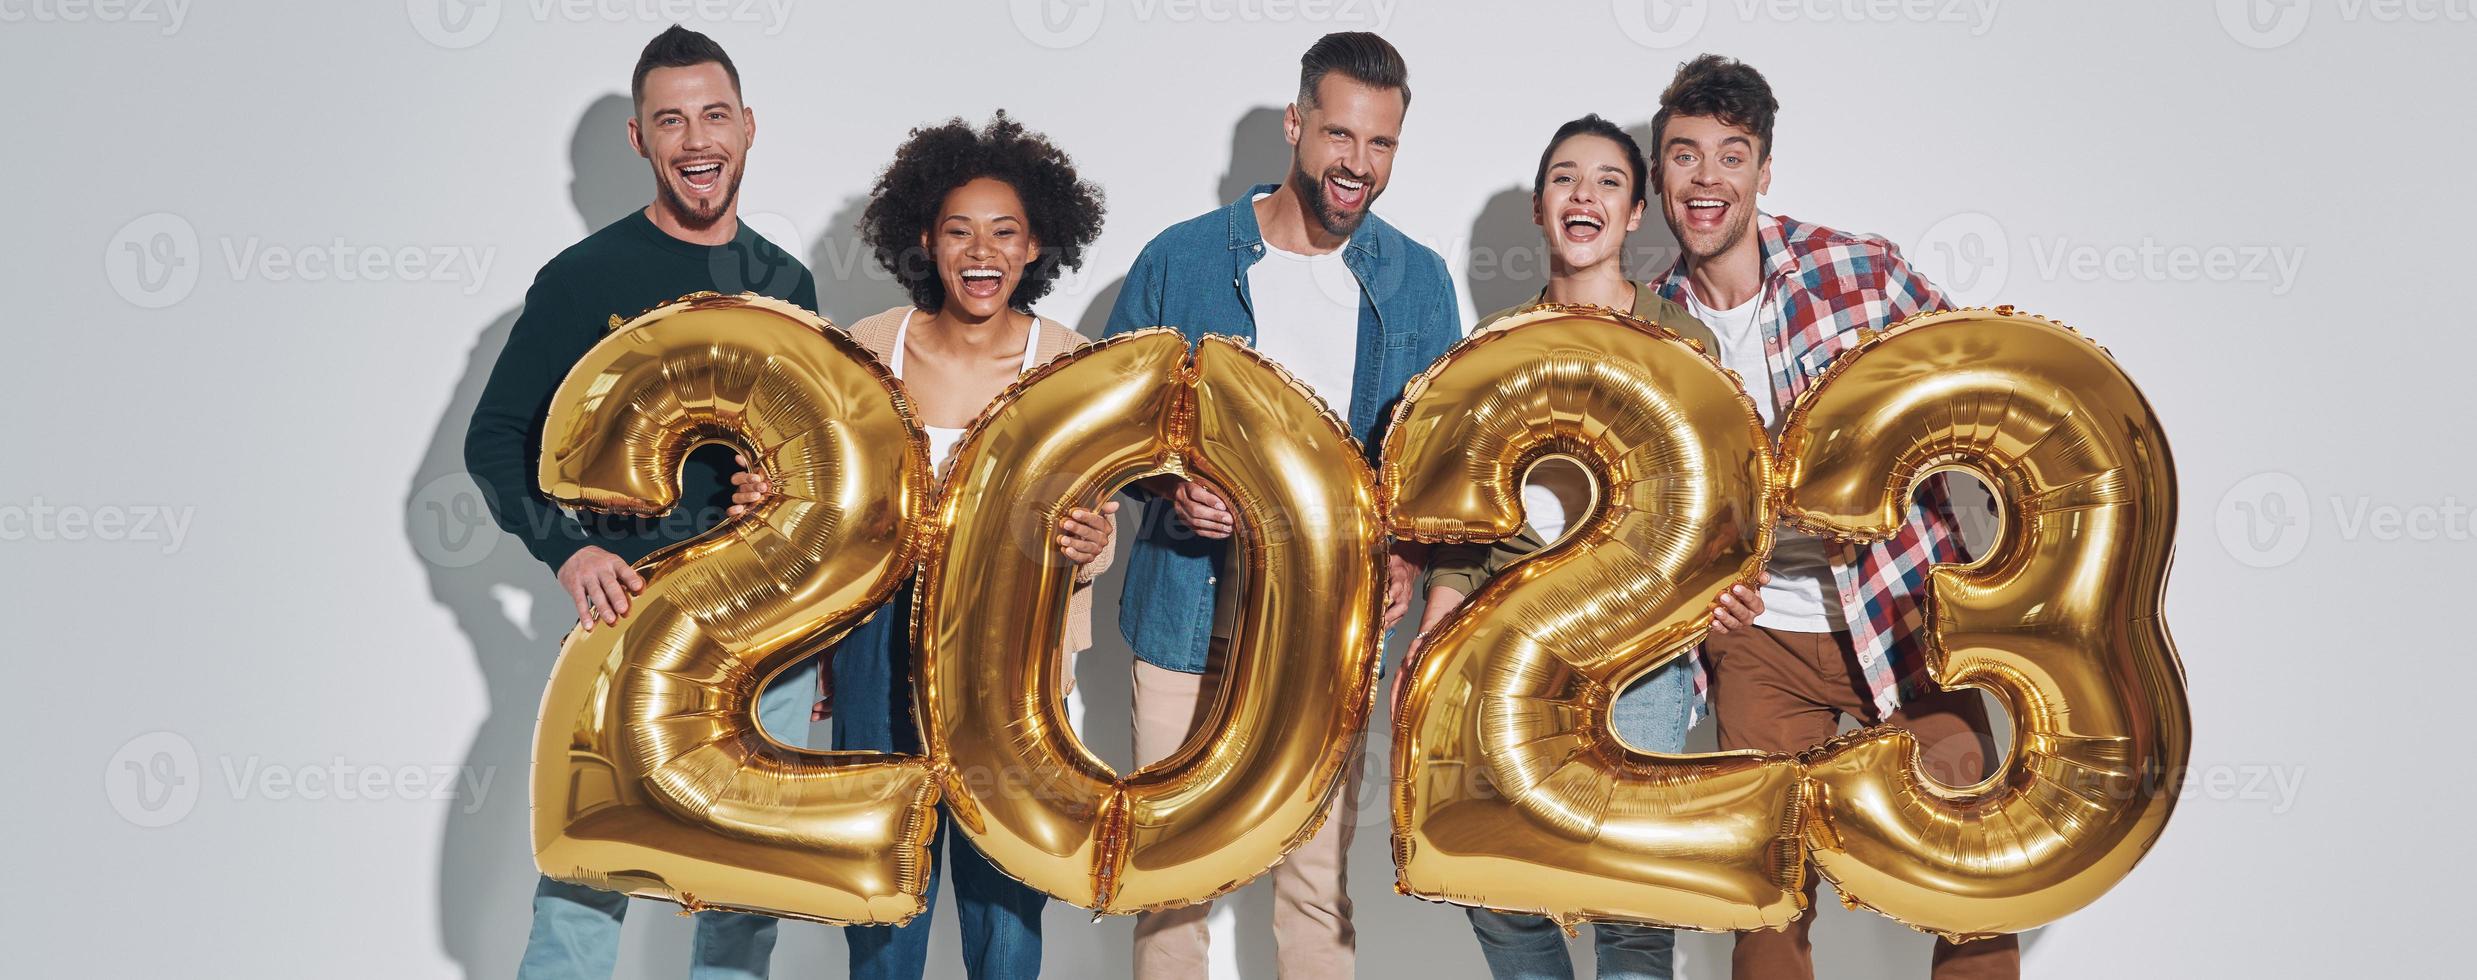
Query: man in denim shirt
1305,274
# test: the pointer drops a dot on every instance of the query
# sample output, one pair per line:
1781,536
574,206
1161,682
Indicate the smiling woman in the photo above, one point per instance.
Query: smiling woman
977,224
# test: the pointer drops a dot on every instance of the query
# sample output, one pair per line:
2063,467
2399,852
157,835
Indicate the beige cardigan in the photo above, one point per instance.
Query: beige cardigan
877,333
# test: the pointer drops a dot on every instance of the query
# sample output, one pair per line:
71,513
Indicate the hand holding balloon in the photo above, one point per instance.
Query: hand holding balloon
1197,503
1084,535
752,486
1739,606
600,583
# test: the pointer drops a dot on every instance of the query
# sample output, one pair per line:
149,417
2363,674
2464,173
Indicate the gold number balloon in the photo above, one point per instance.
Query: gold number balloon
650,775
1253,782
1510,791
2061,620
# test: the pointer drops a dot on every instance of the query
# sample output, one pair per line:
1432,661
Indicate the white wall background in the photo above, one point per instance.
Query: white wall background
232,511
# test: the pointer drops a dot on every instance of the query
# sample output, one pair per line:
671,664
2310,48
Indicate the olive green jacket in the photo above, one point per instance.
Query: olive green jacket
1463,567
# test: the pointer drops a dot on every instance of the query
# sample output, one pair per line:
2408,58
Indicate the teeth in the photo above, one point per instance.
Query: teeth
1347,183
703,168
1582,219
1704,203
981,274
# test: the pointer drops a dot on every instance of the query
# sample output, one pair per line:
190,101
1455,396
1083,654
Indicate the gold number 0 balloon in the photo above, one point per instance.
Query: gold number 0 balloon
650,776
1253,781
2062,619
1510,791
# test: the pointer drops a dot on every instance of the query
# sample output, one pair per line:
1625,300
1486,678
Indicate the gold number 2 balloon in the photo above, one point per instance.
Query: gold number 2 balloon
1510,790
2061,620
1254,780
650,774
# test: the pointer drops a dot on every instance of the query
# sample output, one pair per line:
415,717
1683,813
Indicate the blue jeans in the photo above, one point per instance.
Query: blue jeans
576,929
1000,917
1650,716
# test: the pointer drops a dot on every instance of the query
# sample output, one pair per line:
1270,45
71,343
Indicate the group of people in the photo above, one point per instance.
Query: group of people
978,222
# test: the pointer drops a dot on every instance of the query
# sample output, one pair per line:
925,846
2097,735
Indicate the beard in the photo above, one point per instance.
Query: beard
686,212
1336,222
1741,222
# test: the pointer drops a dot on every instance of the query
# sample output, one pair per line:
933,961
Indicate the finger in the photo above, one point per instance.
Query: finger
584,607
629,578
1765,578
740,458
598,594
1109,508
618,592
1206,495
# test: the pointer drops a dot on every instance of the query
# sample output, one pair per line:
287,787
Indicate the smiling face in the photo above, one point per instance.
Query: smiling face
1710,173
1586,203
981,244
1342,149
691,126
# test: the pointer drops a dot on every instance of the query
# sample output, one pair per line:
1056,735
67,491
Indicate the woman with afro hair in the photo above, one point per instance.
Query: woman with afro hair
977,225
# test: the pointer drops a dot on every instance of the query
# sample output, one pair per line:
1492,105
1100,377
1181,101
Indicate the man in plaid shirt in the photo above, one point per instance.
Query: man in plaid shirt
1841,632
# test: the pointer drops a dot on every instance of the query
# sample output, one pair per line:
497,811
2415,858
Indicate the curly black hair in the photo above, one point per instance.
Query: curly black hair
1065,210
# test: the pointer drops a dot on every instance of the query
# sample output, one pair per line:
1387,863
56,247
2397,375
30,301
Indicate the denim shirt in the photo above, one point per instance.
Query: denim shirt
1193,276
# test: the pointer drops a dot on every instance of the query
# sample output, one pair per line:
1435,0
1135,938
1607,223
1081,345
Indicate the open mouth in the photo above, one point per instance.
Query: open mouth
702,177
1706,213
1346,193
1581,226
982,282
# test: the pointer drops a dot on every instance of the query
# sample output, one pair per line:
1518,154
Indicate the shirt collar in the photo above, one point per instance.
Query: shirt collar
1246,234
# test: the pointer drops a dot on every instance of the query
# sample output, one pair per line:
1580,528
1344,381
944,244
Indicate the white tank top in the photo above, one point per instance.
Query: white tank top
942,439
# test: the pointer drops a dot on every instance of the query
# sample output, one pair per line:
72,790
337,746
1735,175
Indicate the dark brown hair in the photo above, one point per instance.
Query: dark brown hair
678,47
1725,89
1358,55
1592,125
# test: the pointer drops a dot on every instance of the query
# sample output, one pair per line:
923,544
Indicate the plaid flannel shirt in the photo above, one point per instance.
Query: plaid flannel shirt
1821,288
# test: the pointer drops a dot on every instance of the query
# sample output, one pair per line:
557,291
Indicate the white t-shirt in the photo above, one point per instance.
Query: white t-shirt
1307,320
1801,596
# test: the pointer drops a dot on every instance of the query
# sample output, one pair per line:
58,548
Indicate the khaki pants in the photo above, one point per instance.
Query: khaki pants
1311,897
1784,691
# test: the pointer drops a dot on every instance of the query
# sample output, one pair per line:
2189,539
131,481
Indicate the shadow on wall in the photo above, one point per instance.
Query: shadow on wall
512,613
1508,260
1259,154
509,606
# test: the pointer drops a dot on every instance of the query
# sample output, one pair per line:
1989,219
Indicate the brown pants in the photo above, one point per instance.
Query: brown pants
1784,691
1311,888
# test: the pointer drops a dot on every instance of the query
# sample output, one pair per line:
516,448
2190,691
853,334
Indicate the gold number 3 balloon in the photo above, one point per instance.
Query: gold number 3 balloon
2061,620
1511,792
650,775
1253,782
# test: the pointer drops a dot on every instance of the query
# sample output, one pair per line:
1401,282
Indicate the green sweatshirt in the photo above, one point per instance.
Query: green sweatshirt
625,269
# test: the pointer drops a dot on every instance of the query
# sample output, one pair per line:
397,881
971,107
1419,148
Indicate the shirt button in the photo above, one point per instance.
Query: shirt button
1212,580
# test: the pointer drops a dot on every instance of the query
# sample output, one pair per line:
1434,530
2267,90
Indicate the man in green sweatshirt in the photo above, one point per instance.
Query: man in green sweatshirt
690,124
